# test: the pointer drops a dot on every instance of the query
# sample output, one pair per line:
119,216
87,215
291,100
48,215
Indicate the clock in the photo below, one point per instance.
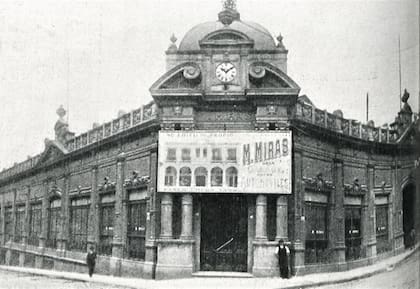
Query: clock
225,72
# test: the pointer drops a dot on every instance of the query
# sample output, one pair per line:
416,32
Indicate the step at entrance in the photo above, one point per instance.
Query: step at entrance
221,274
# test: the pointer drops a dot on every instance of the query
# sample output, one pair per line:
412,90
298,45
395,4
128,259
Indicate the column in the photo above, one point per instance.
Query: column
151,233
26,227
2,223
281,218
370,221
261,218
65,214
187,207
117,242
166,216
298,242
93,223
338,220
44,227
14,216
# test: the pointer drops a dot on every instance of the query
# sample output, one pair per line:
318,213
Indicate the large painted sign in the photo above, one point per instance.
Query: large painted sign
225,162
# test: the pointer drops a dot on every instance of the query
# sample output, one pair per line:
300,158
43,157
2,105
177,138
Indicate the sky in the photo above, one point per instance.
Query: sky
99,57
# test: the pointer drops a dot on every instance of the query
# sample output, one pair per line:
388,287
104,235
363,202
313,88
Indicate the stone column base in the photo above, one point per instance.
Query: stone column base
265,259
150,260
115,266
8,257
175,258
22,259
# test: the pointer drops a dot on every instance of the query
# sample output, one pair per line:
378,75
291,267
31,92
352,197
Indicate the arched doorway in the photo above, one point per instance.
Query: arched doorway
409,202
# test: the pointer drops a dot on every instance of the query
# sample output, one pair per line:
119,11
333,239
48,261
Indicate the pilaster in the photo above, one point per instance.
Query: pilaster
93,224
370,221
117,242
338,220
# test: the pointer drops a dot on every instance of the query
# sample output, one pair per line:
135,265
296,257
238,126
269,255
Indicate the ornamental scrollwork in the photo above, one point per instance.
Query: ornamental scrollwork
191,72
135,180
257,71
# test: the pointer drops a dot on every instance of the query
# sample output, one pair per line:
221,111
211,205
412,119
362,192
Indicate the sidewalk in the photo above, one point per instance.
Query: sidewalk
311,280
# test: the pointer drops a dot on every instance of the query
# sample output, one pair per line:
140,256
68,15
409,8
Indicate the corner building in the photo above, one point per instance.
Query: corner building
226,160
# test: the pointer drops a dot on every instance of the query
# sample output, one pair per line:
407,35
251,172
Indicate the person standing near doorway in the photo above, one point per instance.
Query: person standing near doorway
283,254
91,260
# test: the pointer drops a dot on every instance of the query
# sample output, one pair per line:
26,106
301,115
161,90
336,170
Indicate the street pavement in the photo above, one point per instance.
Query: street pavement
404,276
401,271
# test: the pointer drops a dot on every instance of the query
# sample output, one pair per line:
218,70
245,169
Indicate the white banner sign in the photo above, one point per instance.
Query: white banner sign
225,162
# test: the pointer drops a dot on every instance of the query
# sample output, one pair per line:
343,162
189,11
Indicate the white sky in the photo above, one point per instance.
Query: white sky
97,57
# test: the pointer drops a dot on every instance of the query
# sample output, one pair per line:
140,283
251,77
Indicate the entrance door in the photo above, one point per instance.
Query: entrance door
224,233
409,214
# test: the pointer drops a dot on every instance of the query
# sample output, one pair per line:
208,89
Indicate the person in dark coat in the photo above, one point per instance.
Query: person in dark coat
283,253
91,260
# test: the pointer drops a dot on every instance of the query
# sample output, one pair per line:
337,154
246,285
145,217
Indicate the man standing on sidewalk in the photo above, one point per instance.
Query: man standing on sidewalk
91,260
283,254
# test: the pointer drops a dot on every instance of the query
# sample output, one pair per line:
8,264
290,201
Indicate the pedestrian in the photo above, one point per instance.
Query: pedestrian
412,238
91,260
283,254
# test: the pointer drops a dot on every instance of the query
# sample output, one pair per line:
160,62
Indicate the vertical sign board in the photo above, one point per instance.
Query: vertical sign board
225,162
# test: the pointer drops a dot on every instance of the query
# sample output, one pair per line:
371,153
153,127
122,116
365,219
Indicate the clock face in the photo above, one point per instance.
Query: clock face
225,72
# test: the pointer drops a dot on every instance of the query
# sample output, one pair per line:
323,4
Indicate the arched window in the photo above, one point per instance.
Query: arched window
170,176
200,177
232,177
216,177
185,177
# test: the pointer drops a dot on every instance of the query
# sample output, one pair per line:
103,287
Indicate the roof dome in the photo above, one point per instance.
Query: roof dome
263,40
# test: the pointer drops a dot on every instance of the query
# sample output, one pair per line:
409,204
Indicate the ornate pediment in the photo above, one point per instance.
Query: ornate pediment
53,151
355,189
136,181
106,186
266,76
184,77
318,184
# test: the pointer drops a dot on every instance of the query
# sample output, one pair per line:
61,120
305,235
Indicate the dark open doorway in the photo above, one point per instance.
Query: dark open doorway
224,233
409,214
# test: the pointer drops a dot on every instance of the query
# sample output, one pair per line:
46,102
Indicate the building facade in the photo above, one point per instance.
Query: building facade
226,160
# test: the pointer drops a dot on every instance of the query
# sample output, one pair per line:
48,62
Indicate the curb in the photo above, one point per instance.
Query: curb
355,278
301,286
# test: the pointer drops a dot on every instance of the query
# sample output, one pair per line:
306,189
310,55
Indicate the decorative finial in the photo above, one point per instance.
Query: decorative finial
229,13
229,4
405,96
61,112
280,44
172,47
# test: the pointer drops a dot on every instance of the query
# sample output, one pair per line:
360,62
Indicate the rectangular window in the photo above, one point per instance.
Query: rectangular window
197,153
271,217
54,213
216,155
186,155
231,154
353,235
316,233
79,216
171,154
106,217
382,243
35,223
136,230
20,223
8,224
176,216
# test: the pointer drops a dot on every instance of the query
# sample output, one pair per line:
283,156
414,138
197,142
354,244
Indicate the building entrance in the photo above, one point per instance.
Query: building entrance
224,233
409,214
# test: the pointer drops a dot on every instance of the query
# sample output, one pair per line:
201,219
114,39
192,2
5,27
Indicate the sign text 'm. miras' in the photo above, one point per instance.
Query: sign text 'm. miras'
265,151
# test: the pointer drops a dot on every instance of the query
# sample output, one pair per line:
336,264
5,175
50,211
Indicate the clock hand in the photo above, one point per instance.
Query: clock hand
229,69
